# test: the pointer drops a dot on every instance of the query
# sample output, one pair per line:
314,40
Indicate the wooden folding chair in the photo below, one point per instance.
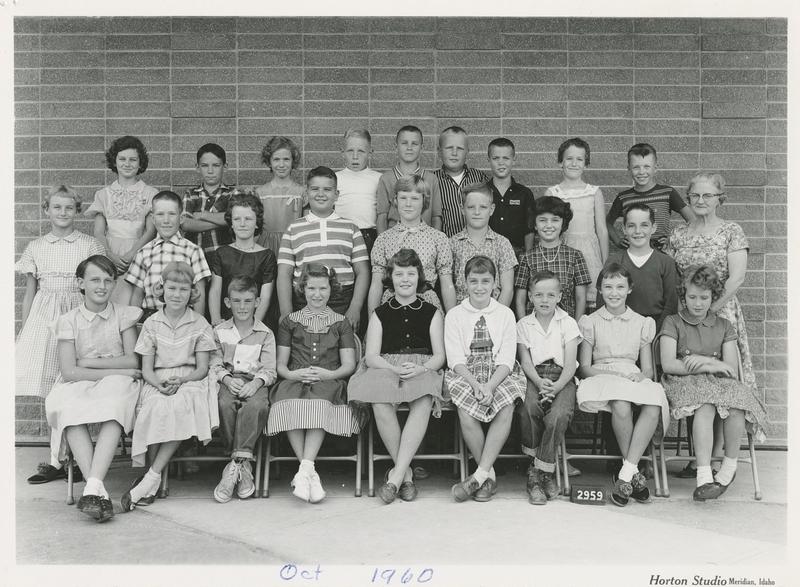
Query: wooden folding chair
751,459
357,457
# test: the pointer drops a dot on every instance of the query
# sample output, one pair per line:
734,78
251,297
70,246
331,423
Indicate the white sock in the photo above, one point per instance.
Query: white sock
93,486
492,476
704,475
147,487
307,466
726,471
628,470
480,475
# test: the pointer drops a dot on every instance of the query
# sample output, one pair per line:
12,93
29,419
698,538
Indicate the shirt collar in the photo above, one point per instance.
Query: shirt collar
115,186
199,190
70,238
311,217
421,227
188,316
558,316
398,173
493,304
174,239
464,235
258,326
709,320
89,315
606,315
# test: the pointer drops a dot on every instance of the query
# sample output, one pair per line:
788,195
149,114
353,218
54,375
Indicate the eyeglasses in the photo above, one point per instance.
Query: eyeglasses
705,197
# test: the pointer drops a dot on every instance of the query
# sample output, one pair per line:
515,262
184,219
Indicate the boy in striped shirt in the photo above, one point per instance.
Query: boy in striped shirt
322,236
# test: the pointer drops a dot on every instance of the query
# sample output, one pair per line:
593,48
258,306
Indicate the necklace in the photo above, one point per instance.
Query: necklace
235,246
541,252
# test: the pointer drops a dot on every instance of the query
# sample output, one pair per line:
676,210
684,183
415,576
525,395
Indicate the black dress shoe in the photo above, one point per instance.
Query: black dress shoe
106,510
46,473
387,492
90,505
125,502
408,491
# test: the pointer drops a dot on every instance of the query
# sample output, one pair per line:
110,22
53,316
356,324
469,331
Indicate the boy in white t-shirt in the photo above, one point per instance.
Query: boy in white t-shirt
358,185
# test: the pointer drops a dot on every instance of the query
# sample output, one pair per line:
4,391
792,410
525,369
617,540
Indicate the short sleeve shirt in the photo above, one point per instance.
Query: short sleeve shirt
175,346
430,244
568,264
616,339
698,336
495,246
514,215
199,200
544,346
663,199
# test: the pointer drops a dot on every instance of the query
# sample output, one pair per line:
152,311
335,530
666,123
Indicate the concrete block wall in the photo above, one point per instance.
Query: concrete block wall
707,93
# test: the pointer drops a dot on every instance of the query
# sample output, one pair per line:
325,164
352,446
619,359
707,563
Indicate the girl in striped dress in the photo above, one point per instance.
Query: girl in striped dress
315,356
484,380
403,358
178,399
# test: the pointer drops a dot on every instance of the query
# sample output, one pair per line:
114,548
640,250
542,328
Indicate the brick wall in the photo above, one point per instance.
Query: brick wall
708,93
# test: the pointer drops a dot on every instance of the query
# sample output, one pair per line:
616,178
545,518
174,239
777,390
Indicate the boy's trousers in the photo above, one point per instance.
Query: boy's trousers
242,420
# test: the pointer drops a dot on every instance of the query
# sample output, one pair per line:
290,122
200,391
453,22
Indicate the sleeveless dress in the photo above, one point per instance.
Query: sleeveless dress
52,261
315,339
372,385
616,341
713,249
581,233
686,393
282,206
96,336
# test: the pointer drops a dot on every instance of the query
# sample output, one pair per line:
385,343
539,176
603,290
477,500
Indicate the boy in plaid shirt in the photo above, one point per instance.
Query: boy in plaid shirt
168,246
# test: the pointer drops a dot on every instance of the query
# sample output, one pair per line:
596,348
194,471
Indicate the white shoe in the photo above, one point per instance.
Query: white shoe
230,477
317,493
246,487
301,484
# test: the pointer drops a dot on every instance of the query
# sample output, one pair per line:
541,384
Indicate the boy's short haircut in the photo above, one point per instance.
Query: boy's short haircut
409,128
215,150
575,142
544,275
414,183
480,264
477,187
241,284
456,130
276,144
642,208
704,277
64,191
168,196
316,270
501,142
246,201
556,207
123,144
358,133
322,171
642,150
405,258
613,270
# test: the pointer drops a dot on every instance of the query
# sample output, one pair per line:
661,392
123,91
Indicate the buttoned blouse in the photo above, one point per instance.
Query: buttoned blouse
406,327
432,246
697,336
544,346
616,339
175,346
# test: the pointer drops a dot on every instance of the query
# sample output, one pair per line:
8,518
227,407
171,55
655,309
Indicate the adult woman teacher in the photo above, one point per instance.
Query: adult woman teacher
722,244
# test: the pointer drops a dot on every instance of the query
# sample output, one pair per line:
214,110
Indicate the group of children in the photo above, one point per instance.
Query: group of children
450,254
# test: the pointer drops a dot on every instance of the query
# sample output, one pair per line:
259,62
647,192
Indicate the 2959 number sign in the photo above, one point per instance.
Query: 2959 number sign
588,494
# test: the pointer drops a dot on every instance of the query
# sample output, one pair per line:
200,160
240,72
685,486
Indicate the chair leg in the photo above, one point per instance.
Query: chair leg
267,460
565,463
679,440
122,449
656,472
70,480
371,458
359,456
664,478
753,466
259,443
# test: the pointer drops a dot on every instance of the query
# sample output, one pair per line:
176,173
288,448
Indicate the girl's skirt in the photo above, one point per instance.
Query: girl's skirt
595,392
382,386
85,402
686,393
510,391
295,405
191,411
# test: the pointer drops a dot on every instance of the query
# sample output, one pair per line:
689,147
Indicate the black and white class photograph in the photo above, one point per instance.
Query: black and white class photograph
370,294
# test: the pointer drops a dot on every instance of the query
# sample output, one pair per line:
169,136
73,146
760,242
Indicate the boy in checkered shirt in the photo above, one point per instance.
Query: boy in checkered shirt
168,246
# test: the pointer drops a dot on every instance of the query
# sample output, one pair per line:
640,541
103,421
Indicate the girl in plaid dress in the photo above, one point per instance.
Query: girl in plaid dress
484,380
402,363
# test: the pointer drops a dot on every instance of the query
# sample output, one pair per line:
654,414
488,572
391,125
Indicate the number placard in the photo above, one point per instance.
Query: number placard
588,494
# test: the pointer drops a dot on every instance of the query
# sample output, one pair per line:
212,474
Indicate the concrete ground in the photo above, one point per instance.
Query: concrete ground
433,532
